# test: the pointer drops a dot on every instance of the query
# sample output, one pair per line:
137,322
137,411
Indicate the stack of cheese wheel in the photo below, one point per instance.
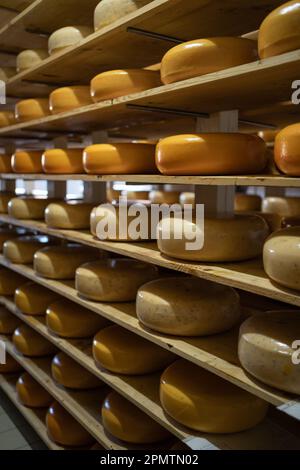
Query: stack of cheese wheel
164,197
287,154
66,37
126,422
27,207
31,394
283,206
280,30
33,299
30,58
30,343
35,108
11,366
8,322
69,215
211,154
187,198
247,202
7,233
9,281
108,11
68,98
68,373
122,352
5,163
113,280
7,118
186,306
5,197
69,320
202,56
204,402
118,159
27,162
21,250
6,73
62,161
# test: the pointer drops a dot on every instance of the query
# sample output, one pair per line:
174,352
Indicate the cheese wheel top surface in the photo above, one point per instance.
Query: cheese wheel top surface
68,98
247,202
66,37
284,206
30,393
21,250
30,343
70,374
35,108
286,150
8,322
10,281
5,162
62,161
27,162
108,11
69,215
27,207
7,118
30,58
34,299
11,366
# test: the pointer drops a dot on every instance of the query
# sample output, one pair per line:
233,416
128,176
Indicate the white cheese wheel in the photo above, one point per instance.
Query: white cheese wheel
21,250
31,394
284,206
68,215
68,98
33,299
164,197
8,321
204,402
247,202
7,233
187,198
108,11
6,73
5,163
266,352
26,207
30,58
187,306
68,373
10,281
35,108
7,118
30,343
27,162
11,366
66,37
113,280
5,197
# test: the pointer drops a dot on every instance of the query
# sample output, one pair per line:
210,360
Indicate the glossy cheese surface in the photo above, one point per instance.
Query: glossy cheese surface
287,147
30,58
8,322
62,161
247,202
21,250
8,234
34,299
11,366
108,11
27,162
5,162
7,118
283,206
5,197
164,197
68,373
68,98
31,394
68,215
35,108
27,207
66,37
30,343
10,281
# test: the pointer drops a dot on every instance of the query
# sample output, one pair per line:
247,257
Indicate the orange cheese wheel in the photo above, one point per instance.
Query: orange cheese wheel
8,322
68,36
30,343
21,250
287,153
68,98
202,56
5,197
283,206
31,394
10,281
5,163
247,202
35,108
11,366
119,159
211,154
33,299
108,11
26,207
68,373
62,161
30,58
7,118
9,234
27,162
69,215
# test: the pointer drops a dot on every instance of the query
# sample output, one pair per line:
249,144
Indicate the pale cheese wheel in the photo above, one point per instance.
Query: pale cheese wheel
30,58
31,394
33,299
68,98
27,208
31,344
5,163
11,366
205,402
123,352
35,108
286,150
266,349
113,280
68,215
164,197
68,373
7,118
247,202
283,206
21,250
8,322
187,198
108,11
126,422
10,281
187,306
202,56
62,161
118,159
5,197
27,162
6,73
9,234
68,36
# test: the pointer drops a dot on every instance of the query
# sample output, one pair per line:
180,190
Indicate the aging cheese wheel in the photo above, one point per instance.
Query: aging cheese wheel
5,197
108,11
8,234
238,238
63,429
69,320
11,366
187,198
6,73
113,280
35,108
164,197
123,352
10,281
21,250
27,162
187,306
106,159
31,394
62,161
27,207
5,163
126,422
8,322
30,58
66,37
247,202
33,299
115,83
204,402
211,154
287,143
280,30
69,374
30,343
266,349
268,135
68,98
202,56
68,215
135,195
7,118
283,206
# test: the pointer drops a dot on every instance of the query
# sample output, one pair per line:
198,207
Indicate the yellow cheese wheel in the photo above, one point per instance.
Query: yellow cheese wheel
69,320
62,161
26,207
123,352
7,233
27,162
68,215
187,198
108,11
284,206
31,394
7,118
11,366
126,422
204,402
247,202
6,73
66,37
8,322
266,352
116,83
211,154
113,280
35,108
68,98
10,281
287,154
5,163
202,56
30,58
21,250
33,299
164,197
30,343
187,306
63,429
70,374
61,262
119,159
5,197
237,238
280,30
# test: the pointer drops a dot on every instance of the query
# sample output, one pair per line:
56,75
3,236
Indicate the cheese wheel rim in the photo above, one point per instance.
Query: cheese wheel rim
31,344
33,299
21,250
67,98
66,37
62,161
27,162
31,109
68,215
286,150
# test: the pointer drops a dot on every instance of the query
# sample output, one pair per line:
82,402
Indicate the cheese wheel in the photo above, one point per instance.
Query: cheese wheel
204,402
26,207
116,83
164,197
268,135
5,163
30,58
27,162
280,30
31,394
5,197
35,108
202,56
62,161
7,118
135,195
10,281
290,222
119,159
30,343
287,154
8,234
68,98
113,280
8,322
33,299
273,220
69,320
126,422
68,373
187,306
211,154
122,352
283,206
238,238
266,352
6,73
21,250
68,36
63,429
108,11
247,202
187,198
68,215
61,262
11,366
